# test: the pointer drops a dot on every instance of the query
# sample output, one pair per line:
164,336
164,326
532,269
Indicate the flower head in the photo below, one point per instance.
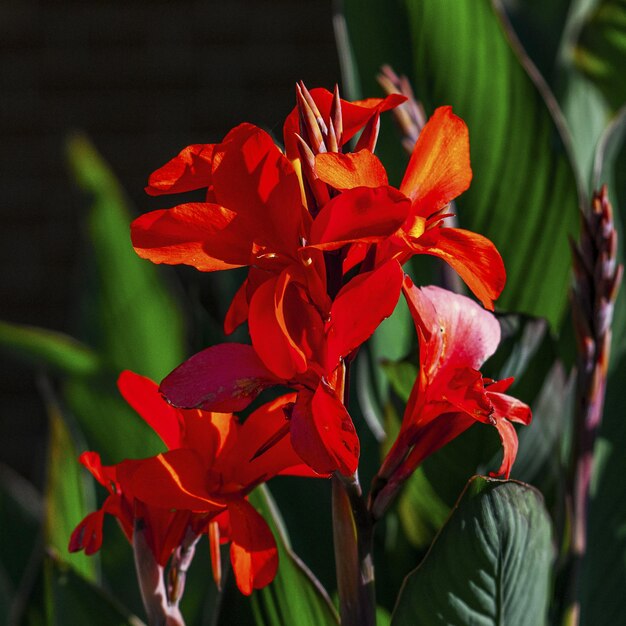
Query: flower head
199,485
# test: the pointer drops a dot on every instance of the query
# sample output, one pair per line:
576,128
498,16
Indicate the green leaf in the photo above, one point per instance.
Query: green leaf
601,50
53,349
490,565
71,599
524,194
65,493
295,598
130,315
402,376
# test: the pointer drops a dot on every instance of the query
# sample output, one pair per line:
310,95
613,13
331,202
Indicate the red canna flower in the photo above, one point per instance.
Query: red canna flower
295,345
438,171
199,485
455,337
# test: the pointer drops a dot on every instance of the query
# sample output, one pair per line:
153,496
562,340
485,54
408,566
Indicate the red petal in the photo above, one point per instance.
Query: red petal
104,474
143,395
188,171
253,552
237,312
374,296
225,377
261,426
360,214
268,329
473,256
429,438
439,168
87,535
355,169
508,437
205,236
322,433
174,480
253,178
507,407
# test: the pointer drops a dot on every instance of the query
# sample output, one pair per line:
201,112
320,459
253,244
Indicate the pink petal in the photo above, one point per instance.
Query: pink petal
225,378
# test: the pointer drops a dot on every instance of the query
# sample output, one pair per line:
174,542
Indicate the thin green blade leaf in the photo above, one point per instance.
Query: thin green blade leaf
65,493
295,598
490,564
52,349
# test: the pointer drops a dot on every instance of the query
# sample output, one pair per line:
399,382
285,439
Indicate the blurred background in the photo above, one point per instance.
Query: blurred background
141,80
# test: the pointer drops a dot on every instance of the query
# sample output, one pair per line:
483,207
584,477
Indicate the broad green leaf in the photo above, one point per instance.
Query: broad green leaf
604,567
130,316
524,193
539,25
65,493
295,598
46,347
490,565
71,599
601,50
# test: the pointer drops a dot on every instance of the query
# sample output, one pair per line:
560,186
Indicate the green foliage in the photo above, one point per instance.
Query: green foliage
524,192
295,598
71,599
65,498
601,50
490,564
56,350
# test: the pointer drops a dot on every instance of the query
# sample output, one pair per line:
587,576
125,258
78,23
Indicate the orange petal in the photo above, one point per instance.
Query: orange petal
253,552
173,480
188,171
439,167
205,236
474,257
355,169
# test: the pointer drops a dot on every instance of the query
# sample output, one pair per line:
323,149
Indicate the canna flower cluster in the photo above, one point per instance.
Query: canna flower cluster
324,237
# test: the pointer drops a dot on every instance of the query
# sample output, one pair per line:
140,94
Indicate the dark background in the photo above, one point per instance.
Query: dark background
142,79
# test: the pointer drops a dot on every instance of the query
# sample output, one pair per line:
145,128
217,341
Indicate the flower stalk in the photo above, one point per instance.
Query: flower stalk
597,277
